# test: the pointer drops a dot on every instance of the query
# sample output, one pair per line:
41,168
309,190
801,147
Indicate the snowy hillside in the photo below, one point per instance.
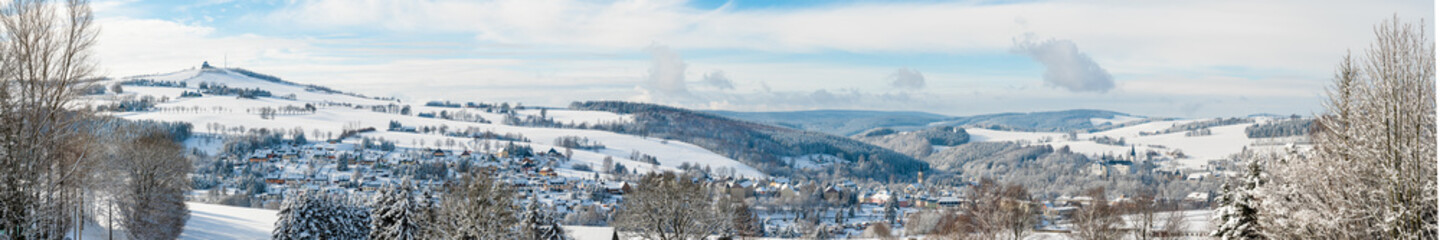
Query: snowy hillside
334,112
194,77
210,221
1218,142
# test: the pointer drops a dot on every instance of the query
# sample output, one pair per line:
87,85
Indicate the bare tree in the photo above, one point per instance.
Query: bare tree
878,230
476,207
152,197
1372,172
667,207
1173,224
44,55
1097,221
1144,215
998,212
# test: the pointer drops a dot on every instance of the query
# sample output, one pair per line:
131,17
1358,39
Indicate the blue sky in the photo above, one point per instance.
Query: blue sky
1174,59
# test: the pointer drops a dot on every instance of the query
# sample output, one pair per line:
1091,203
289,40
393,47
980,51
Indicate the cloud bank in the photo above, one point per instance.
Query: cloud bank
1065,66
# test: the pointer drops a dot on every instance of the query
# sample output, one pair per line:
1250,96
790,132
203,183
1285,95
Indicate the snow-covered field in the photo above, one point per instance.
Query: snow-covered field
232,112
1117,120
210,221
1197,226
194,77
1222,143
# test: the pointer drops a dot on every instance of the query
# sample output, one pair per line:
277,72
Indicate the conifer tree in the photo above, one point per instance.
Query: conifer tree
1236,218
396,213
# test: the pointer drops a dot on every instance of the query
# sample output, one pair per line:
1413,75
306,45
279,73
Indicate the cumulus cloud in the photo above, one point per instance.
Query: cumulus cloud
666,79
1065,66
718,80
907,78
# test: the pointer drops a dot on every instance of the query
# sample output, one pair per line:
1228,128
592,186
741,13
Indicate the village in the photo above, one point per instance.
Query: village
580,194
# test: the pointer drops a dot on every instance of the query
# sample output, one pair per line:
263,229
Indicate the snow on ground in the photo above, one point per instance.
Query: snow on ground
492,117
567,116
813,161
193,78
172,92
205,143
1117,120
1134,131
589,233
1223,142
1197,226
210,221
332,119
987,135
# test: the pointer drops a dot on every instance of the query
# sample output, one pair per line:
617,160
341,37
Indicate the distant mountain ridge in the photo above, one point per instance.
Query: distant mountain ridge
839,122
1052,121
852,122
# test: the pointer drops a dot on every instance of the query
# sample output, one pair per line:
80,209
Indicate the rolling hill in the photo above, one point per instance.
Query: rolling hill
839,122
336,112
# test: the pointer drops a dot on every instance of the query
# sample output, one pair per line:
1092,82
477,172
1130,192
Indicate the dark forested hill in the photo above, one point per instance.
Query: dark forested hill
758,145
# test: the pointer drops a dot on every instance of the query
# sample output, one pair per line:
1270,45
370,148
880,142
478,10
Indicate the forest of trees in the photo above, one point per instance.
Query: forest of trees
1280,128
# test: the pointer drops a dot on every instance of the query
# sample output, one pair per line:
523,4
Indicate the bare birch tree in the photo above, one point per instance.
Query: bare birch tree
44,55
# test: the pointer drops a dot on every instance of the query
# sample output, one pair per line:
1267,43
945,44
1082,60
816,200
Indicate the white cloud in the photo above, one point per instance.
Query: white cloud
1065,65
666,79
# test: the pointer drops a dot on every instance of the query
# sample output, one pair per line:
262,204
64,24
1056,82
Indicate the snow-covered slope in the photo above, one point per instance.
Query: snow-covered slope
210,221
194,77
334,112
1222,142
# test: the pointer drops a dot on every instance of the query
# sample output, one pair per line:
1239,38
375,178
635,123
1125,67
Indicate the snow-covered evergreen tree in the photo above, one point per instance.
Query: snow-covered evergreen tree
396,214
555,232
354,216
294,219
540,224
1237,216
310,215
